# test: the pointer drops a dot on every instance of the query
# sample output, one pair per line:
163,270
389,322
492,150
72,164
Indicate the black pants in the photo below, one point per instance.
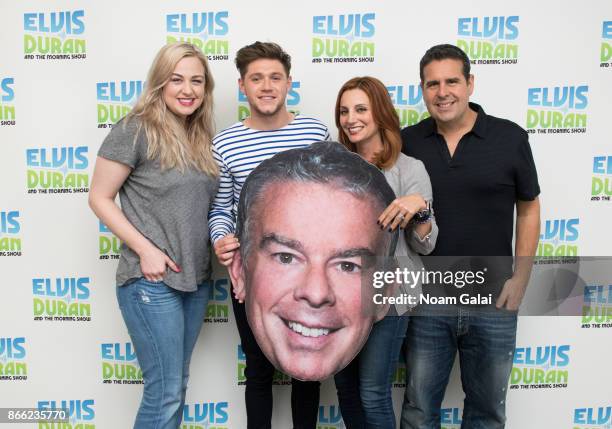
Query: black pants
259,372
349,397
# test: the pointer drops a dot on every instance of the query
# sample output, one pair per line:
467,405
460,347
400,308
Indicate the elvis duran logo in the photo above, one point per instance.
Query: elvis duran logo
593,418
205,415
606,45
601,183
408,103
10,226
559,109
217,310
62,299
489,39
58,170
81,413
541,367
559,237
115,100
293,101
399,376
108,245
13,365
119,364
206,30
279,379
597,306
347,38
7,101
450,418
330,417
54,35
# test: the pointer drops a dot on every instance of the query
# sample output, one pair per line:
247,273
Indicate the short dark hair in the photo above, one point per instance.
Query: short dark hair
444,52
258,50
328,163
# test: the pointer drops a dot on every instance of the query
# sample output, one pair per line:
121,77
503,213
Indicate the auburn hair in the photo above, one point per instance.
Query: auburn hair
384,116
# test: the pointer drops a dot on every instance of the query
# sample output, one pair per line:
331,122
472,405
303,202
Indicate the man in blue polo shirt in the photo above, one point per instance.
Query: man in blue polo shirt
481,169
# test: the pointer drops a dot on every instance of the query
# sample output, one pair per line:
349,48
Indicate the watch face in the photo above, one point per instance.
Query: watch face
423,215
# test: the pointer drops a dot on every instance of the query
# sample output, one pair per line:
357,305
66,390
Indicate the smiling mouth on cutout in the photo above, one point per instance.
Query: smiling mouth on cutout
305,331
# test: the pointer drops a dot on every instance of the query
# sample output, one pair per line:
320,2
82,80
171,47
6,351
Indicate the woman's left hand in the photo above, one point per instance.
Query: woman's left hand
401,210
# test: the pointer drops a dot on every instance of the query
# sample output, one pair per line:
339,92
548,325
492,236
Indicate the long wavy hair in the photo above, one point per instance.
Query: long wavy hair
384,116
176,144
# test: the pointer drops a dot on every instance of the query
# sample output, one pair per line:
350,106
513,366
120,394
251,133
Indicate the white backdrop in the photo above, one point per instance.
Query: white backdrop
551,57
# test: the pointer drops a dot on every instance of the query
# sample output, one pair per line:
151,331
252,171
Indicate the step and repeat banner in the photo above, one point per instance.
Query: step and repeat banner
70,69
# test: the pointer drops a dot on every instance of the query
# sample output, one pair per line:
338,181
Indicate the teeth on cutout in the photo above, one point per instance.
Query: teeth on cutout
307,332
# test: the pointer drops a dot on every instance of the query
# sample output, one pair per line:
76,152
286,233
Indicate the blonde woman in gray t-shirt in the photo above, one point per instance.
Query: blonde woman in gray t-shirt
159,160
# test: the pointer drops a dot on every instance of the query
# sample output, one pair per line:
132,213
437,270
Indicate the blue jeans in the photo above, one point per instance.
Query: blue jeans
485,341
364,386
163,324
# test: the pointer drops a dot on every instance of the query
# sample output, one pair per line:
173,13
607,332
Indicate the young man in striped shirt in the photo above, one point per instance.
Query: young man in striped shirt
265,80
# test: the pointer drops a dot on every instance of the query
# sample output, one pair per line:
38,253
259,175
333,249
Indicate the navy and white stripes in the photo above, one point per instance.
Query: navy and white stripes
239,149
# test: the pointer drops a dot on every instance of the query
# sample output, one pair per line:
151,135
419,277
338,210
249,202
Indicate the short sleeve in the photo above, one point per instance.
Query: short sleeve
526,176
119,145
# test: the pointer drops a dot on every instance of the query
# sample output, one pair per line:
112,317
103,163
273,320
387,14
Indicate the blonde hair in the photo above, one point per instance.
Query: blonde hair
174,144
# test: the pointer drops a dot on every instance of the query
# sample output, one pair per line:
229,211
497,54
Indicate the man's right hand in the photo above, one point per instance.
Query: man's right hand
225,248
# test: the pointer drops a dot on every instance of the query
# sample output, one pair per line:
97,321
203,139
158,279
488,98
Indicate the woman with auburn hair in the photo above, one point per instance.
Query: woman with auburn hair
159,160
368,125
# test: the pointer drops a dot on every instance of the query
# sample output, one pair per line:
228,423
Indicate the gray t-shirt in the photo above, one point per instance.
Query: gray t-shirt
168,207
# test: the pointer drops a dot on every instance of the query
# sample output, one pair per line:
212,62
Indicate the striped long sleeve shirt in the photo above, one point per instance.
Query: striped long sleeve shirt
239,149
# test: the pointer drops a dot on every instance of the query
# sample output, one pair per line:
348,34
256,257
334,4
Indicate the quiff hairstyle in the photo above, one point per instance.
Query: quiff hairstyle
261,50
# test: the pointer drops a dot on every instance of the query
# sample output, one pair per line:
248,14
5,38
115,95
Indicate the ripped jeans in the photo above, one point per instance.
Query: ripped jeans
163,324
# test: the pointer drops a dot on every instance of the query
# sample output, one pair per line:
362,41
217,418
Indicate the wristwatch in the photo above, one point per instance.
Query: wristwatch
423,216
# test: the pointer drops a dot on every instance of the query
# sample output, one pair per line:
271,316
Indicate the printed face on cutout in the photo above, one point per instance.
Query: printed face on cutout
302,276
